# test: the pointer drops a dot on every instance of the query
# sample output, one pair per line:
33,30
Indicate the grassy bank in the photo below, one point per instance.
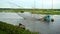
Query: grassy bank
37,11
11,29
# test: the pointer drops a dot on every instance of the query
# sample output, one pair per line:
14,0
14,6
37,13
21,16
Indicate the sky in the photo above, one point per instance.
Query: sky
41,4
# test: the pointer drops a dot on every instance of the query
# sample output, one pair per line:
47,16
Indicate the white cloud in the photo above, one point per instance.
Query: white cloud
47,4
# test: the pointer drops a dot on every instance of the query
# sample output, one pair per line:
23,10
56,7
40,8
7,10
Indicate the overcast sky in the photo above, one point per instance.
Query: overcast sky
42,4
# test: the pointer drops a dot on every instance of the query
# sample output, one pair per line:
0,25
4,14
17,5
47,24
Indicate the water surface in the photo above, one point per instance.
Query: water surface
33,25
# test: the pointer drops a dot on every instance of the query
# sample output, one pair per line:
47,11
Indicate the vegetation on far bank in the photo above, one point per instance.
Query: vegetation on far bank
11,29
34,11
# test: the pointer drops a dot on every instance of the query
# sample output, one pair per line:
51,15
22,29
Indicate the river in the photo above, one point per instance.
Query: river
33,25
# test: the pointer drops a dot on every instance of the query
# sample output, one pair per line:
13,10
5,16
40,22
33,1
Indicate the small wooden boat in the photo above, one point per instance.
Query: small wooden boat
46,19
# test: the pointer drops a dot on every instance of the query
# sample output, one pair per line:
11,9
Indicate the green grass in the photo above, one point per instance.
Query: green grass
3,32
32,11
11,29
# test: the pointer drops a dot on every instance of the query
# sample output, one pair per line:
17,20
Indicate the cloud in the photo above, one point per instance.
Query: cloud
46,4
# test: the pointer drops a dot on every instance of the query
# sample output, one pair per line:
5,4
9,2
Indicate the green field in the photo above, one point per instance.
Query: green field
11,29
35,11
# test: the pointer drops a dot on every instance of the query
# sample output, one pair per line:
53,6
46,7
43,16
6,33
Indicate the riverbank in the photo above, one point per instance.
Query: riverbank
11,29
37,11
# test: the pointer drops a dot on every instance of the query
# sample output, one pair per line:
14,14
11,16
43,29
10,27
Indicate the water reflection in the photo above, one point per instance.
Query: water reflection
33,25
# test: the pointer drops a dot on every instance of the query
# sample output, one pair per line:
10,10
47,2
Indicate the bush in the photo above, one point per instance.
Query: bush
11,29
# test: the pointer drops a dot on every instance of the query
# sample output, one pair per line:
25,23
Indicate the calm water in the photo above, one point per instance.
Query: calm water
33,25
